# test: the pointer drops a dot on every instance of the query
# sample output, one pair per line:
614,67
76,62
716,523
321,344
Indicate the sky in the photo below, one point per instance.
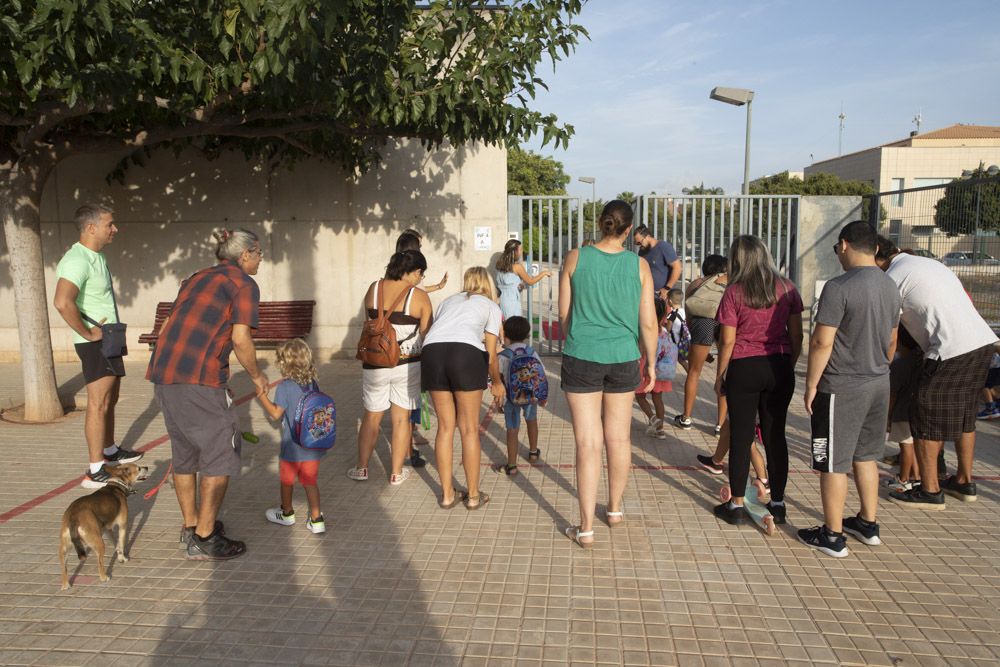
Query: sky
637,91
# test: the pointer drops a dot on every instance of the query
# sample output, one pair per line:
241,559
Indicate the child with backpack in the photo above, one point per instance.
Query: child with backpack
680,335
666,369
527,388
308,429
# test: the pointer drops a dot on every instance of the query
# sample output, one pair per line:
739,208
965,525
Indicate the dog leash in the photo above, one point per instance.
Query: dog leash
153,491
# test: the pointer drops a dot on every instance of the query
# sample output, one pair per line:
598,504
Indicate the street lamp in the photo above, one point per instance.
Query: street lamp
593,200
738,97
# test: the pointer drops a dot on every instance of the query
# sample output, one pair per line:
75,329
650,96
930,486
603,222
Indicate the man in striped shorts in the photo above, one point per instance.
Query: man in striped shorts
847,388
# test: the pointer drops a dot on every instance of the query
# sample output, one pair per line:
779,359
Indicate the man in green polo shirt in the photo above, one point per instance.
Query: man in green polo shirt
84,288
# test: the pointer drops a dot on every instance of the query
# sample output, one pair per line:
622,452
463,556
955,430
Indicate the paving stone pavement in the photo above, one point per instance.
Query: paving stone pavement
397,581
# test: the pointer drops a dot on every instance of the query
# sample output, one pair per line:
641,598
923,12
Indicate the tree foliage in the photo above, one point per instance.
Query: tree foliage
529,173
282,80
702,190
970,206
814,184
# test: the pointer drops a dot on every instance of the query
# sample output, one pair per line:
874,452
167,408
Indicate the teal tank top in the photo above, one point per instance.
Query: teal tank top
604,313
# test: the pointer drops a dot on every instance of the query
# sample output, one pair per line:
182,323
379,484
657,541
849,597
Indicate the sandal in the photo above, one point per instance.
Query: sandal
574,533
447,506
533,454
507,469
619,515
480,500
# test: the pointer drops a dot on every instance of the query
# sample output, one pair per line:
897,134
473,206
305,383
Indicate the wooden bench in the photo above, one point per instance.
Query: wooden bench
278,320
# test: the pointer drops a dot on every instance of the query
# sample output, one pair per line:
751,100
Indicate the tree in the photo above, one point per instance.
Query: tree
970,205
531,174
702,190
816,184
284,79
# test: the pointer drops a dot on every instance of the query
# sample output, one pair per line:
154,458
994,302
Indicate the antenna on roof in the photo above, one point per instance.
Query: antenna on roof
917,120
840,136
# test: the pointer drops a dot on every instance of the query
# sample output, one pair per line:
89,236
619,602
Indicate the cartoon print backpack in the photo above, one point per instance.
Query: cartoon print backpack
314,423
526,381
666,357
681,340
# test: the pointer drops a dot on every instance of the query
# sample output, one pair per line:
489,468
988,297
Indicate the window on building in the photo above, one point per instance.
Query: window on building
927,182
922,230
895,227
897,185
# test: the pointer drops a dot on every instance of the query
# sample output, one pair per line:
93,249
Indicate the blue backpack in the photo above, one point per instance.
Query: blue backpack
526,381
314,423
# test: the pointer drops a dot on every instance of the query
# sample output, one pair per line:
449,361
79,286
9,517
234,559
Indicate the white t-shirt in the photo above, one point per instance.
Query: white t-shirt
936,310
675,326
463,319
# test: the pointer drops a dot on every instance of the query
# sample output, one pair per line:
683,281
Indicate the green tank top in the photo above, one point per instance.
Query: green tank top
604,313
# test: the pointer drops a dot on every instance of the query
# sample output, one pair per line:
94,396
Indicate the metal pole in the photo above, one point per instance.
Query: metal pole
593,207
746,157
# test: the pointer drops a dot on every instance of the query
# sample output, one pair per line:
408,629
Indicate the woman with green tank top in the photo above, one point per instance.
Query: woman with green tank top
606,308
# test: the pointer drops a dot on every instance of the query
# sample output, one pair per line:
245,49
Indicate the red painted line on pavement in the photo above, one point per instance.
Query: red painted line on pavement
485,424
49,495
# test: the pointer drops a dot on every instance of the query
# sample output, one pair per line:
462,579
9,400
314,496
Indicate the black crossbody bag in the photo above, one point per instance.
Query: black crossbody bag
113,342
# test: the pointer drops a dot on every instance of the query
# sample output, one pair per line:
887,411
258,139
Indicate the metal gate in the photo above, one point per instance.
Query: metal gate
696,225
956,222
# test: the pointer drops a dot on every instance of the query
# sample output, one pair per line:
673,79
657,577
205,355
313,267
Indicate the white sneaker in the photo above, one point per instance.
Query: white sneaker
316,526
358,474
396,480
277,515
653,425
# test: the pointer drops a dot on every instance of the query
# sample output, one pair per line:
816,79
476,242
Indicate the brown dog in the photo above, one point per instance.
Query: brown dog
86,519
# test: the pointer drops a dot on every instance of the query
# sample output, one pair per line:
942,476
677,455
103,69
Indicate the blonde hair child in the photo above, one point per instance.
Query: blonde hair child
298,372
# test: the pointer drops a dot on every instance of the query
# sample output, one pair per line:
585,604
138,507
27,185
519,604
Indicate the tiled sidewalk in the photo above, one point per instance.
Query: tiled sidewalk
397,581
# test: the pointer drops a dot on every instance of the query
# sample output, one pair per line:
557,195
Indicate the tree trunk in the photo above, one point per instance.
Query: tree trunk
20,201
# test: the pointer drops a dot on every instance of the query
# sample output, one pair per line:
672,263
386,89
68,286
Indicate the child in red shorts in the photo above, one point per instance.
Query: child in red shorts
295,362
666,368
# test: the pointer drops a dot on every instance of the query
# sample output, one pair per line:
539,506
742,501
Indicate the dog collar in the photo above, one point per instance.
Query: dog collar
124,487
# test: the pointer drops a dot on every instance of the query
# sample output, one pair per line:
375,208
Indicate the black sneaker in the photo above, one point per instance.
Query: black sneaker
864,531
779,512
416,460
917,497
216,547
820,538
680,421
964,492
731,515
188,532
122,456
710,465
96,480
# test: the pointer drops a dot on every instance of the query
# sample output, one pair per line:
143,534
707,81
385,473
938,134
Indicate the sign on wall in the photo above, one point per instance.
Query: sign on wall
484,238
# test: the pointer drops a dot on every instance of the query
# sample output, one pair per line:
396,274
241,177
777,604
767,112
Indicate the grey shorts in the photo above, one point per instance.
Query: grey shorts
587,377
849,426
203,429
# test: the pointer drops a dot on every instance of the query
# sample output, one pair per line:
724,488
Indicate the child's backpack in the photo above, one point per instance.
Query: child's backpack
314,423
526,381
681,340
666,357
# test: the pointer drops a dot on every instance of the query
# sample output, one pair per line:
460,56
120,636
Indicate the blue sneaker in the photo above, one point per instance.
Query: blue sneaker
990,411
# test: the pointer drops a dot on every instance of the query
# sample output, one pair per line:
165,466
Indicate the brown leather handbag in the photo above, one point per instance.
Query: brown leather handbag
378,345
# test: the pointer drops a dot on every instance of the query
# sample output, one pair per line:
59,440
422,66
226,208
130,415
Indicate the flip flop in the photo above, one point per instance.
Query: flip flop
534,454
481,500
509,470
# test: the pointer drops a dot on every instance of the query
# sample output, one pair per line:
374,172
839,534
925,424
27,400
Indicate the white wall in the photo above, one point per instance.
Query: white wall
325,234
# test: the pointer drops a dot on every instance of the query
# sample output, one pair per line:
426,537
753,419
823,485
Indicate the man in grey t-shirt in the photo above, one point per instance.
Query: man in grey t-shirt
847,387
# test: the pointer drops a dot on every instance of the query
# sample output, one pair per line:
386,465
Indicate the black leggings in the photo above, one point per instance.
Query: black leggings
759,388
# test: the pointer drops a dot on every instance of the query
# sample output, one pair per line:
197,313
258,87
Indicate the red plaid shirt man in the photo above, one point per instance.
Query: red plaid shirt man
196,340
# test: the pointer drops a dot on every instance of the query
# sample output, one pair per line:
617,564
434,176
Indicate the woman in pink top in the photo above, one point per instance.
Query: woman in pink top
759,343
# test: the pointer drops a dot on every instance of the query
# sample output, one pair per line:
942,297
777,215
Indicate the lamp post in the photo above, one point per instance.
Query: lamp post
593,202
738,97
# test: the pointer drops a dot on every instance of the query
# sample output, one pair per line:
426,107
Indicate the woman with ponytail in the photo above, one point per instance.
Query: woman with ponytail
605,308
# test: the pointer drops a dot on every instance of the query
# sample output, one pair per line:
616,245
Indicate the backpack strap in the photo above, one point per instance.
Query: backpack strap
379,304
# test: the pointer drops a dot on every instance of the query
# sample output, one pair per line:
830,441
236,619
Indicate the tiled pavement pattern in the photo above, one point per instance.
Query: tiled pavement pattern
398,581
